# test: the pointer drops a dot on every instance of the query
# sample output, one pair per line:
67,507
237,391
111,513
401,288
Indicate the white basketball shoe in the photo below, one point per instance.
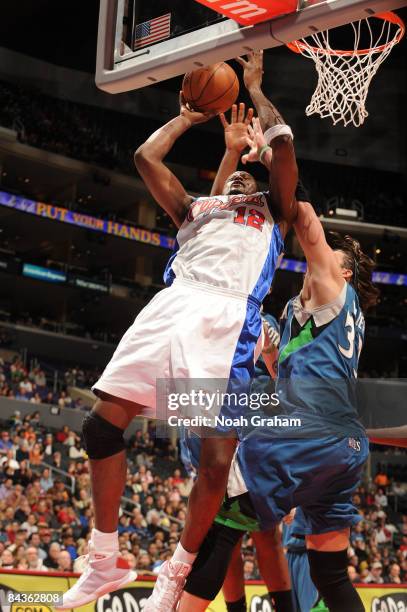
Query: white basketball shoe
103,574
168,587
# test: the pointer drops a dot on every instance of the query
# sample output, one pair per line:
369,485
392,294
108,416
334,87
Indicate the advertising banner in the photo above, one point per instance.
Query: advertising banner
25,592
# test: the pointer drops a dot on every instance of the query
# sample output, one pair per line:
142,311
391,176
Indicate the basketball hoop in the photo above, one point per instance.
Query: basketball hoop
344,76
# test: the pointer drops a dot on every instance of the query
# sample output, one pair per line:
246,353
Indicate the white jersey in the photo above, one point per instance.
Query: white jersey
230,242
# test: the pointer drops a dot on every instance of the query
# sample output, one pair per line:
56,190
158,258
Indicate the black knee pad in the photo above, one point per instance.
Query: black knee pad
237,606
101,438
329,573
210,566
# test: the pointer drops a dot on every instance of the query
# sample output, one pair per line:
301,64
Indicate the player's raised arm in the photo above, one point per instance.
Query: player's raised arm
163,185
235,142
278,135
324,270
323,266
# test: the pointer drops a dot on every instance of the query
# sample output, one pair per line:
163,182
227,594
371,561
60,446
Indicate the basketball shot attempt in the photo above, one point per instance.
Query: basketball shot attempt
204,325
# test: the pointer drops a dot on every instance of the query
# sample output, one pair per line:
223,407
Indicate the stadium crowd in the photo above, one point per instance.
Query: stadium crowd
46,515
30,384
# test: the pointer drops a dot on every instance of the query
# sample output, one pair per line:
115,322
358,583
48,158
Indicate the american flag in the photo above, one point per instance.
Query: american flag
152,31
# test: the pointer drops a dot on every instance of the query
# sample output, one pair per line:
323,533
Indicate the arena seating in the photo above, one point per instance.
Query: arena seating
46,513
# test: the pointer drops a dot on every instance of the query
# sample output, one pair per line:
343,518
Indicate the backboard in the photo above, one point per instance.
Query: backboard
141,43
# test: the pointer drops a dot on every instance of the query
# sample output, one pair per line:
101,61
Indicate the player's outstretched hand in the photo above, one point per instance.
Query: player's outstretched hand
236,131
192,115
288,519
252,69
256,141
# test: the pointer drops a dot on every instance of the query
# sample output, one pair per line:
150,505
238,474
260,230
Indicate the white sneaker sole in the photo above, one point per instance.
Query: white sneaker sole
106,588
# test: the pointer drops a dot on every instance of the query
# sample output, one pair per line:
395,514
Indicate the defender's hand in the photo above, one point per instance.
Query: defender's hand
236,131
288,519
193,116
255,140
252,69
271,337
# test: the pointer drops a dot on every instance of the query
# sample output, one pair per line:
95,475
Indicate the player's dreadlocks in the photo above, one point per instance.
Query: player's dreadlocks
361,265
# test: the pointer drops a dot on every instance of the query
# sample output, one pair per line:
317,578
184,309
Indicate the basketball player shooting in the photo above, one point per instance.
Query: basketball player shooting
205,324
213,231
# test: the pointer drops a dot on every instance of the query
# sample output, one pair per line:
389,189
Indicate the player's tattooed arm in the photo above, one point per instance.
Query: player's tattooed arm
163,185
283,172
235,141
280,160
253,77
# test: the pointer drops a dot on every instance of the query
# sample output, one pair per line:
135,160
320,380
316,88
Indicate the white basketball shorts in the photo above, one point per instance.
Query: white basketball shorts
189,330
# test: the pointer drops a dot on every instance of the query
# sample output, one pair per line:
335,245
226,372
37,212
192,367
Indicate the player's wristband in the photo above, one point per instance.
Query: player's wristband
278,130
263,151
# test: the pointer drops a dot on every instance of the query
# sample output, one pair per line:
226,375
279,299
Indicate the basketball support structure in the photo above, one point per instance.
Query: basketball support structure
223,41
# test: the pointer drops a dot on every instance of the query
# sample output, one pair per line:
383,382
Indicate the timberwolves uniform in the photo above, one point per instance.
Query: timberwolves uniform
318,470
305,593
206,323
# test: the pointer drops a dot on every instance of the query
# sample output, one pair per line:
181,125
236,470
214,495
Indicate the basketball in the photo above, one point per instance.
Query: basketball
212,88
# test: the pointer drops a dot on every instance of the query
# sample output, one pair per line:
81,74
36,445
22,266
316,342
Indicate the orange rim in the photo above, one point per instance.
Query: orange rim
298,45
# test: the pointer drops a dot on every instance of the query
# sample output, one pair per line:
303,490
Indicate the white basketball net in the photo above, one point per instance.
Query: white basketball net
344,76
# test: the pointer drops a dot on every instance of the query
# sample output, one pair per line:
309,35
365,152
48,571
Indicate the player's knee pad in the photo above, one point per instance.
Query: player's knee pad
101,438
328,568
237,606
329,573
210,566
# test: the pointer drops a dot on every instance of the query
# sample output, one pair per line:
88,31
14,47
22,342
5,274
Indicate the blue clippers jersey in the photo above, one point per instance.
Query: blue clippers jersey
318,361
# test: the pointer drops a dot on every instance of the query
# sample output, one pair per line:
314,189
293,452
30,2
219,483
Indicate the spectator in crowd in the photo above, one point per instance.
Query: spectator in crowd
249,570
36,455
8,461
23,451
76,450
46,482
352,573
7,559
34,562
30,525
394,573
381,499
65,401
6,488
5,443
26,385
381,479
48,446
51,560
64,561
376,573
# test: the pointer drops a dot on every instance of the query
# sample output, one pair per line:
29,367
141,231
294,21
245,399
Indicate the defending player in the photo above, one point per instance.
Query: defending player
236,517
316,469
204,325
